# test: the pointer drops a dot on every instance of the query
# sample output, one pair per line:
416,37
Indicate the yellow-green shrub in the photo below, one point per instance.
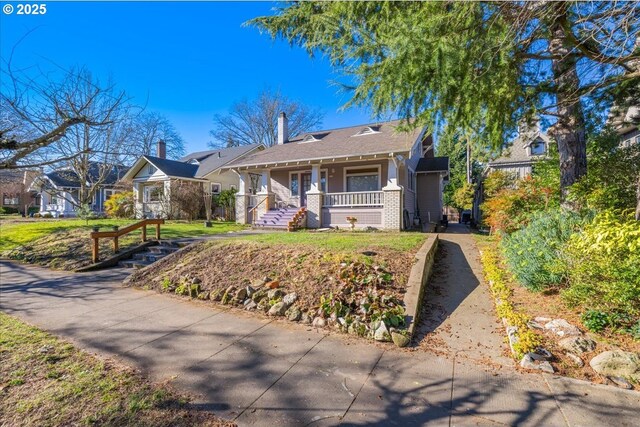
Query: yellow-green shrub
120,205
604,268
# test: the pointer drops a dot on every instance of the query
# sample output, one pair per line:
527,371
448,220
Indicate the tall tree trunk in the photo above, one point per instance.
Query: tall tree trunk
569,131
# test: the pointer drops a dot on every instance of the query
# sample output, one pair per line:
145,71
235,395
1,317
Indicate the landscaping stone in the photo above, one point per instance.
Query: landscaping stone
319,322
617,363
275,294
250,305
621,382
306,319
562,328
226,298
290,298
203,295
512,335
263,305
216,295
250,291
577,344
278,309
575,359
400,340
240,295
529,362
258,296
257,284
196,281
381,333
294,314
357,328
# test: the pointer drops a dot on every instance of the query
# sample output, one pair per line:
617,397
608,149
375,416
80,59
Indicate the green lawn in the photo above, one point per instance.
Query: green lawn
45,381
17,232
344,241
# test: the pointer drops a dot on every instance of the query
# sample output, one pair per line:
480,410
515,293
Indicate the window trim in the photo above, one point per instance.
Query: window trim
347,172
147,190
538,142
219,187
302,172
411,179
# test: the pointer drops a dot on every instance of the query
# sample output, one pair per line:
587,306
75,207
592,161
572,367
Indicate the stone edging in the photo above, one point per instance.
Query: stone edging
417,283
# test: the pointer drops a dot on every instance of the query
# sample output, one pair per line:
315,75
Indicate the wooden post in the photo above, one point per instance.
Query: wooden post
115,244
95,250
144,233
158,231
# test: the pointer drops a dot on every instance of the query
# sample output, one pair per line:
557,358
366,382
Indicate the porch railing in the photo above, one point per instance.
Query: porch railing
363,198
254,200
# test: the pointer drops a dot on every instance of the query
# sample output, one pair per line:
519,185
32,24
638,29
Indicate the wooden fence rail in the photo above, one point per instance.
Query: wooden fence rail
97,235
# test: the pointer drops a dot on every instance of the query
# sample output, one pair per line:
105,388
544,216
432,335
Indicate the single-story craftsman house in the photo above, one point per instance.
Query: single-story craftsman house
152,175
382,177
58,190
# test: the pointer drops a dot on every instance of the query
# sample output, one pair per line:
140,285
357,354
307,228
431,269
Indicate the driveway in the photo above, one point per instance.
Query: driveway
260,371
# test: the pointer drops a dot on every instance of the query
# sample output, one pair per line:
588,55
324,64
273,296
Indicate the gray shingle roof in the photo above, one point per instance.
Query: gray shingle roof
211,160
433,164
517,153
335,143
173,167
69,179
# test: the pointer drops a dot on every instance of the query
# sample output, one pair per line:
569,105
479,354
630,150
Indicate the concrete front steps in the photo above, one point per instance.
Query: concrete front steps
151,255
281,219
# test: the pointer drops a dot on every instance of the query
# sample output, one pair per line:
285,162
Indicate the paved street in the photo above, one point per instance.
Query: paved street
268,372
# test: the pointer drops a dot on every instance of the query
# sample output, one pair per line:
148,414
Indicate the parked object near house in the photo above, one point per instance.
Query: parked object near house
59,190
16,197
368,172
153,176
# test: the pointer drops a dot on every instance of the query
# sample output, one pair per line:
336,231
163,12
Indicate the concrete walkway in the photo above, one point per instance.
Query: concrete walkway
458,312
264,372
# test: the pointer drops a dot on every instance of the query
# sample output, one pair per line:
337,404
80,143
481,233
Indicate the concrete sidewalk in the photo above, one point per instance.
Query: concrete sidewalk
264,372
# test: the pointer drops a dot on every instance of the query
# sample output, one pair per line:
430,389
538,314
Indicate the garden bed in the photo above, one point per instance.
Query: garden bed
45,381
348,281
534,311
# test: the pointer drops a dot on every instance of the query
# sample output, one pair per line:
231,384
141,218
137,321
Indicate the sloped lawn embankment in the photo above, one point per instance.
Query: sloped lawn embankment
354,282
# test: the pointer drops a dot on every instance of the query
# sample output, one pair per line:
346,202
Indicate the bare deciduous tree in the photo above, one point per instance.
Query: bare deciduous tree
39,112
256,121
147,129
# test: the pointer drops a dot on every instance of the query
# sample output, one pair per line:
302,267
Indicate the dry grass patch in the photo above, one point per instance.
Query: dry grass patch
45,381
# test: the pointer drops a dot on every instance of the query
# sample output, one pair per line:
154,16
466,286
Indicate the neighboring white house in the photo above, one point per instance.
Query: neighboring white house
58,190
152,175
382,176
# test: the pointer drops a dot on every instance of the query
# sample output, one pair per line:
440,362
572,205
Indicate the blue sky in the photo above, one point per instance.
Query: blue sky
186,60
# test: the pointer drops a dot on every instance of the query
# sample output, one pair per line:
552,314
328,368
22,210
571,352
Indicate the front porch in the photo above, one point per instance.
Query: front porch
330,193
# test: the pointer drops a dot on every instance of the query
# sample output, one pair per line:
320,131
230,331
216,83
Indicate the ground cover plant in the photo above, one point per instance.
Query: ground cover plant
354,282
45,381
65,243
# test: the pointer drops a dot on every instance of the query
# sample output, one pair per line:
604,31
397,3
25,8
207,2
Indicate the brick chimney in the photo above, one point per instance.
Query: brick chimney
283,129
162,149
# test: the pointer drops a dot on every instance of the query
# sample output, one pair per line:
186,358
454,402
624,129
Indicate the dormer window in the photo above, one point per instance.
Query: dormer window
538,148
194,162
368,130
309,138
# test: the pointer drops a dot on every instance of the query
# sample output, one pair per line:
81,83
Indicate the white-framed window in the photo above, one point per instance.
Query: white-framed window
538,148
216,188
411,179
362,178
108,193
10,199
638,139
295,178
153,193
151,169
233,187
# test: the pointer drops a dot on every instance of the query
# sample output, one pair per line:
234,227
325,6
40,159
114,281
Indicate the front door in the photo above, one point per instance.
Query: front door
306,186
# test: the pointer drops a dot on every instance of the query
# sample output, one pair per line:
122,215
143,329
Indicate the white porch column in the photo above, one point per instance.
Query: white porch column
242,198
393,199
315,198
265,192
137,199
44,200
